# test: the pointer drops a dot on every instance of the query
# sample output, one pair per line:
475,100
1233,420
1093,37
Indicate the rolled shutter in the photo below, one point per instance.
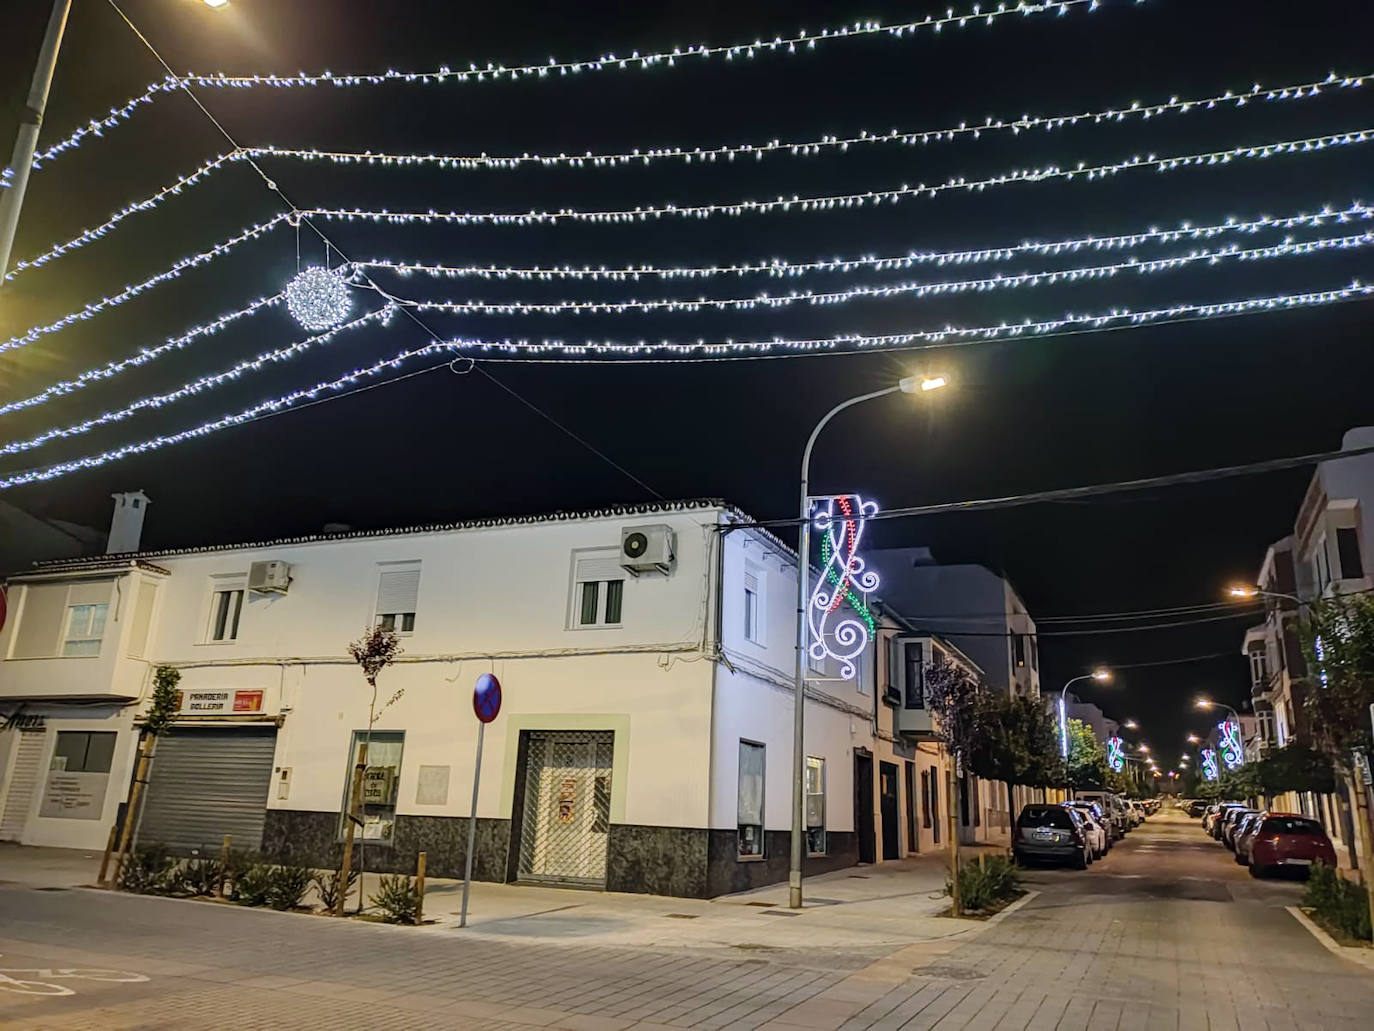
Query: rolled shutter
398,590
206,783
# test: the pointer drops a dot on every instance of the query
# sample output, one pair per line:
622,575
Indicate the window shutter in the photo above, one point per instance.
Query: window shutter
751,583
90,592
398,590
599,569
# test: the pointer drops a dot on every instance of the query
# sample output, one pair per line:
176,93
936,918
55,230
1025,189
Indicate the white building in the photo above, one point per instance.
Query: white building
644,744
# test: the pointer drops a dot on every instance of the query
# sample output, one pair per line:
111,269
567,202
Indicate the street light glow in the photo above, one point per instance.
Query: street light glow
216,3
1144,748
1204,703
1194,739
1131,725
924,383
1240,591
1102,674
933,382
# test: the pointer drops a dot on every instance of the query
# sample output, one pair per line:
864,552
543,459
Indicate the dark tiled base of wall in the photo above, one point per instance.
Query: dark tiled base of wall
679,861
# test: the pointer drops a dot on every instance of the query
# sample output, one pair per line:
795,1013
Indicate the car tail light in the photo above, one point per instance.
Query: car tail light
1078,837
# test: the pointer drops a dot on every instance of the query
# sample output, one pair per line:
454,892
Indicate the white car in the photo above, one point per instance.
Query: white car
1098,839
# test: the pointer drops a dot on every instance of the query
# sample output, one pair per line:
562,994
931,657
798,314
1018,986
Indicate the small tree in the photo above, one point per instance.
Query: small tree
1087,762
373,652
162,709
952,698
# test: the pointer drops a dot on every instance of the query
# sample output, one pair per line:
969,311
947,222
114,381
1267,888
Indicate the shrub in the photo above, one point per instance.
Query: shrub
327,885
200,876
253,885
149,870
1340,903
983,885
397,898
286,886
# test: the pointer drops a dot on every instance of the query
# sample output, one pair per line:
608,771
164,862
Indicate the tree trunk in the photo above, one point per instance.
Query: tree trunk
354,799
1011,809
131,811
956,902
1366,842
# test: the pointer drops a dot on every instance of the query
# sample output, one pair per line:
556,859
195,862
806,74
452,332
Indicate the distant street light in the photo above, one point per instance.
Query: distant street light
907,385
1244,592
1207,703
1131,725
1145,748
1193,739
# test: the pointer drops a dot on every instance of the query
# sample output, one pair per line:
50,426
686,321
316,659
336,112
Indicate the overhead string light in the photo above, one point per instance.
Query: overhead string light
724,349
978,13
142,357
1132,266
200,385
806,148
794,204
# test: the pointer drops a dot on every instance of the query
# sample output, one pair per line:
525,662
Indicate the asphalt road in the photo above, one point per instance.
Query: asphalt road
1165,932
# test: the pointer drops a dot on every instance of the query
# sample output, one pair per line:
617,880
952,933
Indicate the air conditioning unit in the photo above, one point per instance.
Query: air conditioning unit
648,549
269,577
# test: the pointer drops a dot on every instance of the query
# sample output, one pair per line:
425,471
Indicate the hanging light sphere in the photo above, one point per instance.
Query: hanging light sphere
318,299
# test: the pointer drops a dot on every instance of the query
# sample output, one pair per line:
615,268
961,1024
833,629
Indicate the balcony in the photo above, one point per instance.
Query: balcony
914,722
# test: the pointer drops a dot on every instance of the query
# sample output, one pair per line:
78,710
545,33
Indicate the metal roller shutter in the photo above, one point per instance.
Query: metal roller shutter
206,783
28,770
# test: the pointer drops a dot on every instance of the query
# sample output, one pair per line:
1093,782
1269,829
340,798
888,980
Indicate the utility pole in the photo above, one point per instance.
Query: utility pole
12,199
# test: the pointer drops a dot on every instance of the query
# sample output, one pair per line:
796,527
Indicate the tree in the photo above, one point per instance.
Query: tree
373,652
1296,767
952,696
162,709
1338,638
1087,763
1014,742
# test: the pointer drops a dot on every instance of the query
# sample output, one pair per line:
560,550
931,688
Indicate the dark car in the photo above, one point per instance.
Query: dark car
1231,823
1051,833
1287,840
1244,832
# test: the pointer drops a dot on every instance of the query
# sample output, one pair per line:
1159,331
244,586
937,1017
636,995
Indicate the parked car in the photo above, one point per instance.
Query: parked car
1287,840
1112,806
1098,837
1231,823
1052,833
1244,832
1218,818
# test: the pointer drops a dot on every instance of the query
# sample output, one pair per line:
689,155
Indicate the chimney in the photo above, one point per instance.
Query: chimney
126,526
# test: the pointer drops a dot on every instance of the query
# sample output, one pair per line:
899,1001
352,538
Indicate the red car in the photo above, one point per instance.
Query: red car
1286,840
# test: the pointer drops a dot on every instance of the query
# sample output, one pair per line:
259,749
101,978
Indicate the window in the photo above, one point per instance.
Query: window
381,778
815,806
752,604
750,803
1018,649
80,751
1034,652
1348,547
225,609
1321,567
925,798
914,674
1259,672
598,588
398,592
85,628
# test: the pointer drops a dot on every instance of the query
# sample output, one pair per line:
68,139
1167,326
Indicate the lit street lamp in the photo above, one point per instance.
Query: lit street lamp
1131,725
907,385
1207,703
1193,739
1244,592
1100,675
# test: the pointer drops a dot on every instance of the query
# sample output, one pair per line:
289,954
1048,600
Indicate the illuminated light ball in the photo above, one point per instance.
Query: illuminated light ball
318,298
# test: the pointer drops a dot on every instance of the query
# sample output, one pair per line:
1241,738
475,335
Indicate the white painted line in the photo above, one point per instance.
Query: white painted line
1012,908
1364,957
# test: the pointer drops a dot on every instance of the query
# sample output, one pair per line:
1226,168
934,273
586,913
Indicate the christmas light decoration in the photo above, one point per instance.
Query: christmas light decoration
777,268
219,250
198,386
841,521
858,604
806,148
726,349
1232,749
1208,256
319,298
979,13
1116,758
1209,765
143,357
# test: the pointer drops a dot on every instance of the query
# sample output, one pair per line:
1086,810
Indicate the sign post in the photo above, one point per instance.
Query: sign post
486,703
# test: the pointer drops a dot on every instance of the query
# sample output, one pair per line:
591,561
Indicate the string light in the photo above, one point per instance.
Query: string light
319,298
803,148
553,67
143,357
919,290
1102,321
778,268
198,386
796,203
130,292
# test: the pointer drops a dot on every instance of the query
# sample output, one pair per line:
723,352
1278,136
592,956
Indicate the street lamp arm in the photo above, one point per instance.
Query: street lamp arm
825,419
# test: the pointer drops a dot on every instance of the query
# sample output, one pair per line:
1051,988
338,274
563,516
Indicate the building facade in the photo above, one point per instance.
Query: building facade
644,744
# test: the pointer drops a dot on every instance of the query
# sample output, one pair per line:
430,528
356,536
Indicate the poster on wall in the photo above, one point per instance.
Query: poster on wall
73,796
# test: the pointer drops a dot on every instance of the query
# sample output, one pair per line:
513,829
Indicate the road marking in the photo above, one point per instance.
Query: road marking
45,987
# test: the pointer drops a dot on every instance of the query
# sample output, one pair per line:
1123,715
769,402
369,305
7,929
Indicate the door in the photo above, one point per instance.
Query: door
887,798
28,767
206,782
566,820
863,806
913,839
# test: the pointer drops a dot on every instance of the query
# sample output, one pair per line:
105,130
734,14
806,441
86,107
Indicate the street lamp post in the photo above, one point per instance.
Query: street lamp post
1097,674
908,385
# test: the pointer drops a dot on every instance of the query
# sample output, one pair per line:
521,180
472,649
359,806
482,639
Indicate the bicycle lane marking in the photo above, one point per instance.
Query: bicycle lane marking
39,980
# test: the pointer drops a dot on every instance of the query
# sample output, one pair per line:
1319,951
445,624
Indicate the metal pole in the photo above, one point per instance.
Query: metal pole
794,875
472,825
26,140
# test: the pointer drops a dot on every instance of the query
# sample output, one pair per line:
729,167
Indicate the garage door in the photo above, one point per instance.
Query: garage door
206,783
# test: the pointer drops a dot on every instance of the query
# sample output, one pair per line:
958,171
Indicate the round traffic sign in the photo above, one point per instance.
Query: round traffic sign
486,698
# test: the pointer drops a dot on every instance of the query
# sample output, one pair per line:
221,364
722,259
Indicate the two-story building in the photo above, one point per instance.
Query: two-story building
646,657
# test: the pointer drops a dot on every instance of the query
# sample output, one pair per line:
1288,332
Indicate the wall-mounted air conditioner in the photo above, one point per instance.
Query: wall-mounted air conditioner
648,549
269,577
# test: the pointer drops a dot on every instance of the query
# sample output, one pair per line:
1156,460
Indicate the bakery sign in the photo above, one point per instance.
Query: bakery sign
218,702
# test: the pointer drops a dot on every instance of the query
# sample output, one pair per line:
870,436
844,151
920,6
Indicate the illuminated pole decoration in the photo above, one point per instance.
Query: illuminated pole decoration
843,578
1063,730
1232,749
1116,758
1209,764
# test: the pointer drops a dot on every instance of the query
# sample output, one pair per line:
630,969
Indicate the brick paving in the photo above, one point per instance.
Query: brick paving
1164,933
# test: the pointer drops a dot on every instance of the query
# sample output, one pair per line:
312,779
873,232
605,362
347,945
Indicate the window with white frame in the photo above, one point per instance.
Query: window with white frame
398,595
750,802
598,591
1259,671
753,603
815,805
85,629
226,609
378,789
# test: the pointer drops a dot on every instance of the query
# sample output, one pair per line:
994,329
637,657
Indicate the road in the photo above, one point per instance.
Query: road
1166,932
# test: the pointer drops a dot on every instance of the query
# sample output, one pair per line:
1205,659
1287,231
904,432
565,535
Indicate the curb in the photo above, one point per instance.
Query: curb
1023,900
1364,957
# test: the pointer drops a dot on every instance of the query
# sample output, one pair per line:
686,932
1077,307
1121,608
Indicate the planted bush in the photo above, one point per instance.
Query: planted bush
397,898
150,870
253,886
983,885
327,885
287,885
200,876
1340,903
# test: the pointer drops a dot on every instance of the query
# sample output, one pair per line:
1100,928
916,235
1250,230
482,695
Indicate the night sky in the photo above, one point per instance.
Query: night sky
1022,415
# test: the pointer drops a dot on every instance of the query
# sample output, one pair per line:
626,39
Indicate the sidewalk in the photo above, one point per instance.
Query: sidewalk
870,907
